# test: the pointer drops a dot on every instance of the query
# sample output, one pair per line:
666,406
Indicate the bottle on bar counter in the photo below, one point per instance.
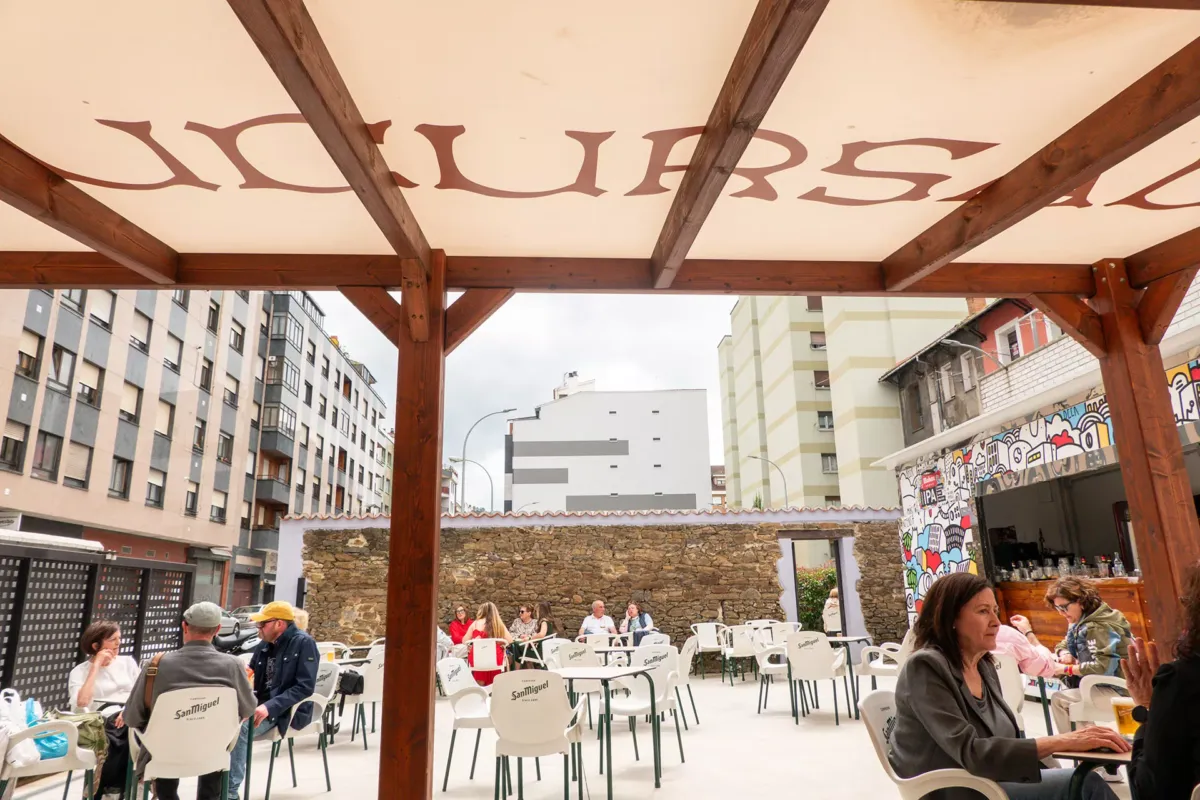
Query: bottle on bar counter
1102,568
1118,566
1049,570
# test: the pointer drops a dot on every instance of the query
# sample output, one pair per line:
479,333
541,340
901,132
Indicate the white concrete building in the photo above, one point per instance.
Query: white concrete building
610,451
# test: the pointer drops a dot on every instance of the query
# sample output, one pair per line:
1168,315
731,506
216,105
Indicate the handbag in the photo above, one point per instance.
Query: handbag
12,722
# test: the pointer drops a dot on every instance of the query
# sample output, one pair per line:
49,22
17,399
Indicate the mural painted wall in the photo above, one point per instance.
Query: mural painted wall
937,495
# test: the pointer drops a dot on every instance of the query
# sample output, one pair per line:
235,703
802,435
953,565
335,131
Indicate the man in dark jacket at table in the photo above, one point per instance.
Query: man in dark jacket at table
285,674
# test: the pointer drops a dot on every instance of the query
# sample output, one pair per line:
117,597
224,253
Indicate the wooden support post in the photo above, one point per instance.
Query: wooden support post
406,739
1157,487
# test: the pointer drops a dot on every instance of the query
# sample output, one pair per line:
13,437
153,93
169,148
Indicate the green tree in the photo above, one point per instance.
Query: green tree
812,590
758,503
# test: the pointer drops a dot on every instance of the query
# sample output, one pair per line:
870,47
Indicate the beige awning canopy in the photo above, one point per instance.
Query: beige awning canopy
561,130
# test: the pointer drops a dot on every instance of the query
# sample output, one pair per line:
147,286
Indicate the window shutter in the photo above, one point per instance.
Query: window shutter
157,478
89,374
14,431
141,327
218,500
100,304
77,461
129,399
29,343
162,423
231,383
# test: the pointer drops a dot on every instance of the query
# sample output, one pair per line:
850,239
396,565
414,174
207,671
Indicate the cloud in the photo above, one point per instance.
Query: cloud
516,358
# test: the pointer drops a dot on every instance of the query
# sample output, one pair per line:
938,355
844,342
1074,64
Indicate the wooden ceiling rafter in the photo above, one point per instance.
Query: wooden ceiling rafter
1154,105
1177,254
1159,303
470,311
777,32
1074,316
1169,5
374,303
289,40
31,187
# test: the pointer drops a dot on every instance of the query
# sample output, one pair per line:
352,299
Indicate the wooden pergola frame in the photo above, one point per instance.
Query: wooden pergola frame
1119,308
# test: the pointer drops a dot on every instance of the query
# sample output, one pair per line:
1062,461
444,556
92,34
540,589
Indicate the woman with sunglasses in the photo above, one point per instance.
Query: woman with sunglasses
1096,643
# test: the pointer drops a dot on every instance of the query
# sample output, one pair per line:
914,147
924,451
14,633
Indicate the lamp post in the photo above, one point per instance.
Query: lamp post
525,506
966,346
781,476
462,484
491,486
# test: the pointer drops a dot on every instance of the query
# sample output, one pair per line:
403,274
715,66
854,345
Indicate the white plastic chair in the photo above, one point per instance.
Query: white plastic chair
810,657
710,636
339,650
687,663
739,643
550,651
75,759
533,718
191,732
879,713
322,697
779,631
656,638
1095,706
577,654
468,701
884,660
664,663
1012,686
372,672
772,661
761,623
484,655
831,618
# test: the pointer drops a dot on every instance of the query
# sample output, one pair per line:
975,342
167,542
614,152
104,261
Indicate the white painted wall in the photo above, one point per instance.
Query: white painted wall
681,425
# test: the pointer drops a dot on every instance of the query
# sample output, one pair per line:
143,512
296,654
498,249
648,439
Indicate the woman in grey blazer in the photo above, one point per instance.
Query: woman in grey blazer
950,712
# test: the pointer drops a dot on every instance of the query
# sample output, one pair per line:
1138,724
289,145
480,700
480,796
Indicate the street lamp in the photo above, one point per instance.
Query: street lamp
782,477
527,505
957,343
462,484
491,486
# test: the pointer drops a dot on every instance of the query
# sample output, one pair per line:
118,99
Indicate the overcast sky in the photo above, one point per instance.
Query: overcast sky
517,358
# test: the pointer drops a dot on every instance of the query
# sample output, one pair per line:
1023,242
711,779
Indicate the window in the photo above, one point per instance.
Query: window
316,488
237,336
131,402
46,451
12,446
174,355
191,501
164,419
118,484
613,413
224,448
154,488
354,433
966,364
658,466
261,371
282,371
362,438
1008,343
214,316
816,340
341,459
263,319
346,387
250,464
62,366
324,366
181,297
206,369
320,446
29,354
139,337
73,299
829,463
246,510
280,419
198,435
91,380
311,355
356,398
655,411
301,479
946,376
337,379
303,435
656,438
833,500
612,466
242,293
333,418
345,426
100,307
232,388
821,378
361,477
308,394
815,303
78,466
825,420
321,403
217,514
913,407
374,419
254,421
285,326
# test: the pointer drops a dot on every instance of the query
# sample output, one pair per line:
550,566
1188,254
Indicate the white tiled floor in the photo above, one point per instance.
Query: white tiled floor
734,752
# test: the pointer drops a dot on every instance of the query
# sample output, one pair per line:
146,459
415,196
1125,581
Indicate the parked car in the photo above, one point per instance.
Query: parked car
242,614
230,625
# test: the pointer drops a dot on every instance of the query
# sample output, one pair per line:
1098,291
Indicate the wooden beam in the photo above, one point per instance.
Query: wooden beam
1174,5
1177,254
531,274
292,45
1153,106
1165,530
1075,317
378,306
1159,303
470,311
30,186
406,740
777,32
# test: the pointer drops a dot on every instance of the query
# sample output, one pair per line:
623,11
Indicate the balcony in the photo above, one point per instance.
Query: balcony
273,490
276,442
264,538
341,478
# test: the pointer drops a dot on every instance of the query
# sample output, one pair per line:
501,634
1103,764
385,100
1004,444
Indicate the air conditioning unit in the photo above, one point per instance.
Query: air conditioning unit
272,359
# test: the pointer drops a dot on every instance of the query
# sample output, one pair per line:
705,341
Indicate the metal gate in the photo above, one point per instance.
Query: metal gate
48,597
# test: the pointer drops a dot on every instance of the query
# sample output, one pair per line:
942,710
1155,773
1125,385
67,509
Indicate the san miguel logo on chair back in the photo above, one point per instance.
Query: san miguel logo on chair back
198,708
578,654
652,660
530,691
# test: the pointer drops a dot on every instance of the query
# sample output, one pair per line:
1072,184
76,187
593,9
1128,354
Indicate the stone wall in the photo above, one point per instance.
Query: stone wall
881,587
683,574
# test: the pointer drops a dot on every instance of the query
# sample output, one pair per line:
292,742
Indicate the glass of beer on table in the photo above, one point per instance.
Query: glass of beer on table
1127,726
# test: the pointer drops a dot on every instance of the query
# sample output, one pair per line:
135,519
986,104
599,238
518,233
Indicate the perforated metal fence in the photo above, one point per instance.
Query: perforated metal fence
48,597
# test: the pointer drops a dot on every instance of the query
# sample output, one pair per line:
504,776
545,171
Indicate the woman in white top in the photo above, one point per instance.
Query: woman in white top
105,675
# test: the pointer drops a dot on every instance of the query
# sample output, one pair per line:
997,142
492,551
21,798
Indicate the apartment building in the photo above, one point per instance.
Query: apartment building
590,450
129,412
801,401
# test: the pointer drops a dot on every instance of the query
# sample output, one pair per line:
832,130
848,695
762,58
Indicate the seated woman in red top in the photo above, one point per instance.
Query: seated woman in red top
459,625
488,625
